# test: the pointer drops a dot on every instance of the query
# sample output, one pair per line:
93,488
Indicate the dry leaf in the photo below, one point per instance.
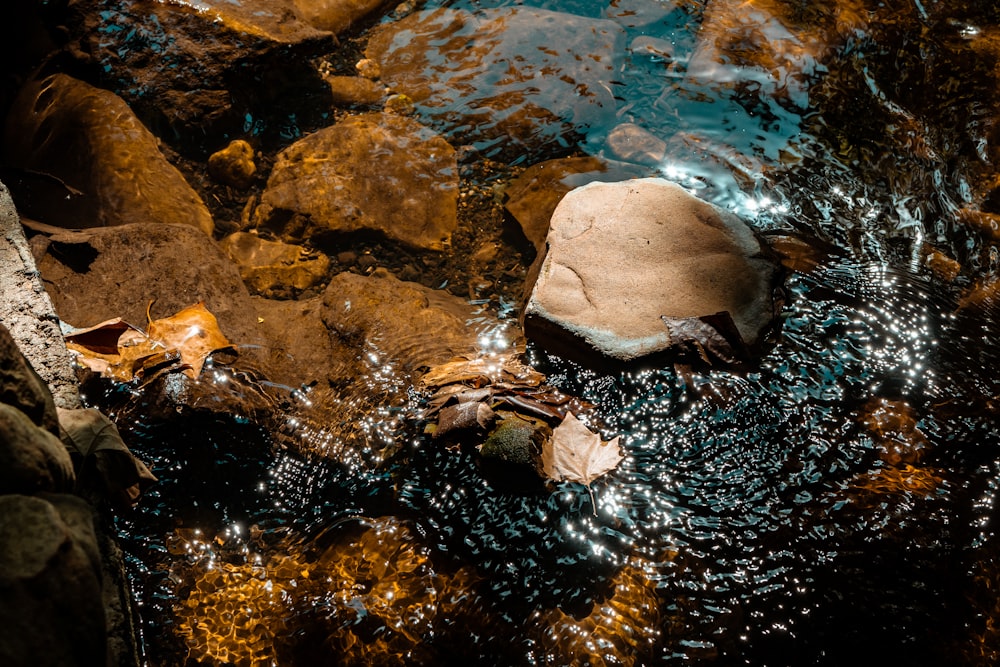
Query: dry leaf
194,332
122,352
104,461
577,454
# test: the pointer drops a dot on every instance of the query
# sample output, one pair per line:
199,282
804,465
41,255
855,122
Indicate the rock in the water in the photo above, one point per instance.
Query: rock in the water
403,323
534,195
274,269
337,16
369,173
515,79
632,143
32,460
52,613
91,140
623,256
233,165
355,90
200,68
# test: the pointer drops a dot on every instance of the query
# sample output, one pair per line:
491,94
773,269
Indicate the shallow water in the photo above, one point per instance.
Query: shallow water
765,517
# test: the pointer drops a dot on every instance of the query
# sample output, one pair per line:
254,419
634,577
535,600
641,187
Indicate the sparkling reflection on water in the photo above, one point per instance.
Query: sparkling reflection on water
766,518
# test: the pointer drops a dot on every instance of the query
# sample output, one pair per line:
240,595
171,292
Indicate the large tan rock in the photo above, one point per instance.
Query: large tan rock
369,173
515,79
91,140
622,256
533,196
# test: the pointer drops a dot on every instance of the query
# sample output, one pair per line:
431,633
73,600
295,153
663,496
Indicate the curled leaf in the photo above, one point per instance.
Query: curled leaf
576,454
105,464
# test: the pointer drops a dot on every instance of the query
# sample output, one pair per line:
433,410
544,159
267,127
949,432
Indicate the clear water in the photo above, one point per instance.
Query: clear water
758,519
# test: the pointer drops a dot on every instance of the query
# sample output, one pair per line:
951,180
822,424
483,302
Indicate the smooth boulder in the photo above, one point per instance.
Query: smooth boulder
623,256
90,140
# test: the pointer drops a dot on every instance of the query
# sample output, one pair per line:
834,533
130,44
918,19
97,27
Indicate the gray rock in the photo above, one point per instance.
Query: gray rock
32,460
91,140
50,584
374,172
22,388
517,80
621,256
28,315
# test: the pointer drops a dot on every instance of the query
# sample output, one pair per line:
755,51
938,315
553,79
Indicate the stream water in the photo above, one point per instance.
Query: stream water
833,505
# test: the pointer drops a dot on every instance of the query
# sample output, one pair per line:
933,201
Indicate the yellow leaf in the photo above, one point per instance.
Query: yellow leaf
193,332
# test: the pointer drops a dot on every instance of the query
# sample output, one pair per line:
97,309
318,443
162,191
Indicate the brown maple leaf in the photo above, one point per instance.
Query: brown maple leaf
577,454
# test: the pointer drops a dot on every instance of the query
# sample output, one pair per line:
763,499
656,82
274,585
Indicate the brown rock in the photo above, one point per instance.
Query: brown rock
337,16
196,69
621,256
369,173
90,139
403,323
516,79
233,165
274,269
52,614
355,91
99,274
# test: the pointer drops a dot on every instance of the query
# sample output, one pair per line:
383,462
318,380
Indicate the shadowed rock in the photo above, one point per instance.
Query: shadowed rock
91,140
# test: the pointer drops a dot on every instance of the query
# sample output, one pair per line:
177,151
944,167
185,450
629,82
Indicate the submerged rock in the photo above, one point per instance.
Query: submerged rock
90,140
534,195
274,269
624,256
399,322
192,68
337,16
370,173
514,79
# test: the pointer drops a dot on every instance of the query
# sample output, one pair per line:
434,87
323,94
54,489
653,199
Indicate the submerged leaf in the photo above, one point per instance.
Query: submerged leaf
577,454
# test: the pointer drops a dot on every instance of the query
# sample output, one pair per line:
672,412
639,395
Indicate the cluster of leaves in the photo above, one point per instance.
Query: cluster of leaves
466,393
123,352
